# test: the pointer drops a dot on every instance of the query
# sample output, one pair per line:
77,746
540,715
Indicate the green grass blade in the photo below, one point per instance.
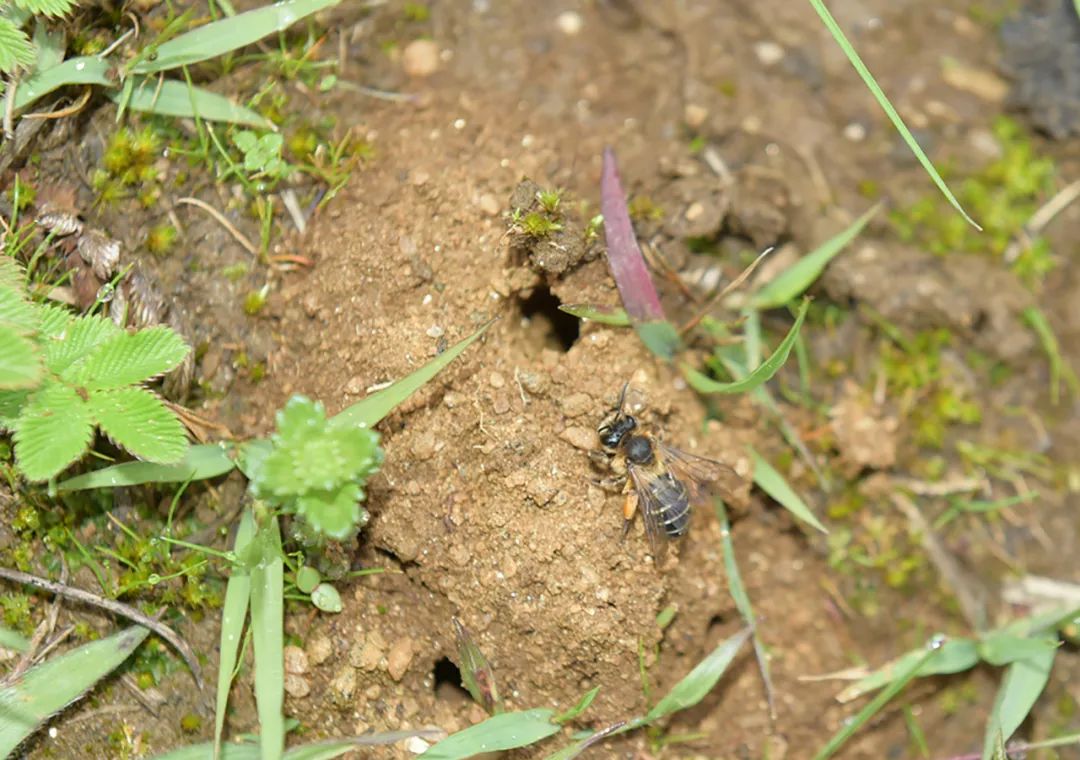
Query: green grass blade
367,412
503,731
233,613
605,315
773,483
742,603
268,637
954,656
200,463
699,681
1059,368
871,708
762,374
336,747
204,751
13,640
579,708
229,34
82,70
47,688
1002,647
792,282
1024,681
175,98
894,117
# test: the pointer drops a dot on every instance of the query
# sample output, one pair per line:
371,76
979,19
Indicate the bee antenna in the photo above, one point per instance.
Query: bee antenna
622,397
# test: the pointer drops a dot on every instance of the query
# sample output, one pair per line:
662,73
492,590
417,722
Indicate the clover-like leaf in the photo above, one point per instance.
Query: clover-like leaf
16,313
311,454
130,358
53,430
137,420
334,513
72,343
20,361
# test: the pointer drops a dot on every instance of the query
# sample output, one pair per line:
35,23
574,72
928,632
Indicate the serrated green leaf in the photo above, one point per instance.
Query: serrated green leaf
54,320
15,48
50,686
333,513
173,98
20,362
769,480
504,731
311,454
130,358
1024,681
54,429
83,70
699,681
51,8
17,313
137,420
12,275
11,404
75,342
199,463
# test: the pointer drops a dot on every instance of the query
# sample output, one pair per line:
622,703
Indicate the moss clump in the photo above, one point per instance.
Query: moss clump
1002,197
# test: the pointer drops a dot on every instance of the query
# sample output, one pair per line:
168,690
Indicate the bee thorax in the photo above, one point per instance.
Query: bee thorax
639,450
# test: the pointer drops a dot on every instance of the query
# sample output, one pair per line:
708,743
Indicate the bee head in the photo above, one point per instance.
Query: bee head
611,433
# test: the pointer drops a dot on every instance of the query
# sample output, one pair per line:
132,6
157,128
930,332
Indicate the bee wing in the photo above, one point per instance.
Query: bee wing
651,512
703,477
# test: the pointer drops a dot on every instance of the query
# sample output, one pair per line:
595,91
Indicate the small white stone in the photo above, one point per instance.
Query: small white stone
855,132
569,23
768,53
435,331
416,745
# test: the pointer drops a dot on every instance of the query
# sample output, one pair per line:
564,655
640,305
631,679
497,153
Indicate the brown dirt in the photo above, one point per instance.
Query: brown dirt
485,509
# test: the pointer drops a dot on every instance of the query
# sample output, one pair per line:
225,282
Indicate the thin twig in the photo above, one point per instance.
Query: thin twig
1042,217
220,219
71,110
727,289
117,608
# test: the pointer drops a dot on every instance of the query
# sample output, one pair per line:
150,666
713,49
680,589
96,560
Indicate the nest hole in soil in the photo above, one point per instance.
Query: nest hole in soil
541,304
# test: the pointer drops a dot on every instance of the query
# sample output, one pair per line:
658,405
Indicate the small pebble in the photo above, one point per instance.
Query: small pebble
416,745
695,211
569,23
489,204
296,685
435,331
397,661
420,58
296,660
694,115
579,437
768,53
855,132
497,380
319,649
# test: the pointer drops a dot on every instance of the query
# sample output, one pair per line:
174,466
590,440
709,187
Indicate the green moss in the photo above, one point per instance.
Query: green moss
160,239
642,208
191,723
1002,197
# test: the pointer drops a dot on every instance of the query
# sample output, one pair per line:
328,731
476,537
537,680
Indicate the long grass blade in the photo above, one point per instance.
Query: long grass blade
368,411
883,101
47,688
504,731
776,486
82,70
605,315
229,34
233,613
699,681
762,374
742,603
792,282
954,656
200,463
175,98
268,638
883,698
1024,681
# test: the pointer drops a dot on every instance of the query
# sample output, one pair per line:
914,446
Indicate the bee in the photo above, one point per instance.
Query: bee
659,480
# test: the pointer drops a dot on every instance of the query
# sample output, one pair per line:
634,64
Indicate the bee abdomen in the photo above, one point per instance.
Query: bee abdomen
675,505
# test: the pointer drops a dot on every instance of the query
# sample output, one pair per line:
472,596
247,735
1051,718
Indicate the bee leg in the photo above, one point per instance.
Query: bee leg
613,484
599,458
630,506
